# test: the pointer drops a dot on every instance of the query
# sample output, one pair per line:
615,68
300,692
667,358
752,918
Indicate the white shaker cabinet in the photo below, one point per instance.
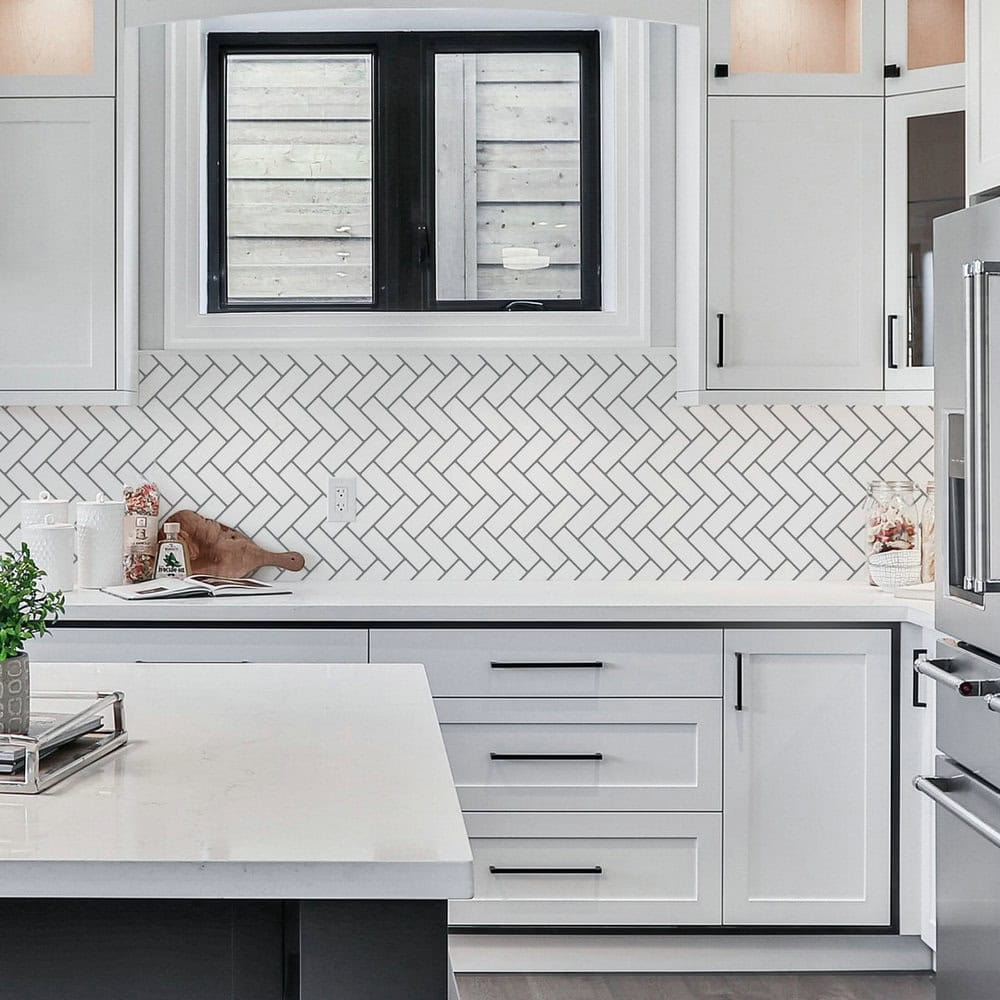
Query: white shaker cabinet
57,48
983,95
795,205
57,244
924,45
925,179
823,47
808,786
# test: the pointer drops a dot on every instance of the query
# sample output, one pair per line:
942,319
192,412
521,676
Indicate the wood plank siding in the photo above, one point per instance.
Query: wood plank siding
516,116
299,175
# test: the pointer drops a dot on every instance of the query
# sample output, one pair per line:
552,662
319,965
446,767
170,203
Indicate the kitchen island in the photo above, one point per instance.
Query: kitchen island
267,833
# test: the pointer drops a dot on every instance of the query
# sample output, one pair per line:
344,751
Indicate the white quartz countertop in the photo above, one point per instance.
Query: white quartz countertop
248,781
422,601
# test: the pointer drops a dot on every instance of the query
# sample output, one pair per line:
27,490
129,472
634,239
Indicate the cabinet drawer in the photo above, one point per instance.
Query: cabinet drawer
656,755
194,645
609,869
570,662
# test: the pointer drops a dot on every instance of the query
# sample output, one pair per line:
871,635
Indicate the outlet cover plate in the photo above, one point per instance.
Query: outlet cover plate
342,500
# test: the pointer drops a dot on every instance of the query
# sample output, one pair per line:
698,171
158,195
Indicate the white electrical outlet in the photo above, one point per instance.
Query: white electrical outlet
342,500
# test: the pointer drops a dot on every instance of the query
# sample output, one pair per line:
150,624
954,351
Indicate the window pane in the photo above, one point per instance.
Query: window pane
299,178
507,129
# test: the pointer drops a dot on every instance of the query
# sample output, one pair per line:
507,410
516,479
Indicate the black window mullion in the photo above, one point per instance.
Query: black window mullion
402,222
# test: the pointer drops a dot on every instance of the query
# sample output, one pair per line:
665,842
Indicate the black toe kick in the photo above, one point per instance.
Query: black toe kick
114,949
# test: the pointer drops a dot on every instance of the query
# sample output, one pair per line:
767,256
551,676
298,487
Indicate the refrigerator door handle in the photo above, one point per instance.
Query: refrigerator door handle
977,443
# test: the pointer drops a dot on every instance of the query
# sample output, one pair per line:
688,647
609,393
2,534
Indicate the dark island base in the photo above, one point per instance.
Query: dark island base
114,949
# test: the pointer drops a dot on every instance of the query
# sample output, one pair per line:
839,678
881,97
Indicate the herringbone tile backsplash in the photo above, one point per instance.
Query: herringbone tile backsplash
522,467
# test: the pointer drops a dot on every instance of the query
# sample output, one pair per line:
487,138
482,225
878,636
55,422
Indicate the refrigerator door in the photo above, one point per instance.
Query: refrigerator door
967,421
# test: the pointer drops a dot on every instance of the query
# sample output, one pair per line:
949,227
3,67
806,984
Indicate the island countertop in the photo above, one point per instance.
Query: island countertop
248,782
597,602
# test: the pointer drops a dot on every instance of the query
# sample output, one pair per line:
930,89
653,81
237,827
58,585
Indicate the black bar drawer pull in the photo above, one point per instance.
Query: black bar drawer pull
720,360
739,683
594,665
546,756
595,870
890,336
917,655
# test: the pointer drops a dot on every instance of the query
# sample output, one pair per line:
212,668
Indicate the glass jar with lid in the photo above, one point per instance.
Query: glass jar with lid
891,517
927,514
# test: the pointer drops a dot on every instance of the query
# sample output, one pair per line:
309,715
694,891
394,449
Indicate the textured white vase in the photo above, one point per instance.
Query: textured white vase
15,695
51,547
100,538
35,511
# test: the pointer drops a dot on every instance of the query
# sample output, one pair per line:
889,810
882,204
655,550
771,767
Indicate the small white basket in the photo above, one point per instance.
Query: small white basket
891,571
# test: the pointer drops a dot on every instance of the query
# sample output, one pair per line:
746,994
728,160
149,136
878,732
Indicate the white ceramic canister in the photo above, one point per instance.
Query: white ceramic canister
51,546
100,530
35,511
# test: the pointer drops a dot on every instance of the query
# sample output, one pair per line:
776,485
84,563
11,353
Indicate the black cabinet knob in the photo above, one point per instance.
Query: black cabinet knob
721,71
892,71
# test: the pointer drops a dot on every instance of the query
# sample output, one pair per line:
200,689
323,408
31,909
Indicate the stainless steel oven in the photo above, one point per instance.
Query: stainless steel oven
966,789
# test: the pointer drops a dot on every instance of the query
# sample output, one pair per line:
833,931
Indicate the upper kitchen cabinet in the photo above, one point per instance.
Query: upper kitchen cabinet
796,47
57,48
57,245
795,210
983,96
925,178
924,45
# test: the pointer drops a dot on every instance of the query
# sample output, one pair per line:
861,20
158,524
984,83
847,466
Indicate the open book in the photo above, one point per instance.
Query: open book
194,586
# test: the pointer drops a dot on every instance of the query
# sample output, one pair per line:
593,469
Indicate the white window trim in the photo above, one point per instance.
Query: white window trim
625,321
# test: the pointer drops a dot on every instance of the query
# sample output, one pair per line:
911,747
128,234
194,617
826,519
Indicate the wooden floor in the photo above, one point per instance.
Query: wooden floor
790,986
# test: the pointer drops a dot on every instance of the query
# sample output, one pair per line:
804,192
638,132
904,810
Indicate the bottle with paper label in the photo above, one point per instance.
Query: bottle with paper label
172,558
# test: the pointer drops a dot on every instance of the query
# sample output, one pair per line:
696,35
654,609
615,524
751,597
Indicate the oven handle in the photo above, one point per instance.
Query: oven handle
940,672
993,702
937,790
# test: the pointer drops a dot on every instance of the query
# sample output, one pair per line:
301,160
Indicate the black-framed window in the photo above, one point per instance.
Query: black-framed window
404,171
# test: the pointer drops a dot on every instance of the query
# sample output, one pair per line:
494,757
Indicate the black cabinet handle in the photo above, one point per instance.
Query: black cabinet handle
721,71
583,665
546,756
917,703
739,683
892,71
890,335
720,358
595,870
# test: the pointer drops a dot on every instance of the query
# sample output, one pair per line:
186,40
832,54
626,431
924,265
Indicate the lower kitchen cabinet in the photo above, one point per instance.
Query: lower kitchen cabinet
606,869
582,754
807,722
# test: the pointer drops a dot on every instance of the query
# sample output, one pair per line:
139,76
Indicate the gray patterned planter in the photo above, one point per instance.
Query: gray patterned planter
15,691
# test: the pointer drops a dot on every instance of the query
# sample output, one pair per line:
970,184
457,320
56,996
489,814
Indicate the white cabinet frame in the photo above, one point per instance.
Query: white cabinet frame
982,124
867,82
899,110
896,53
100,83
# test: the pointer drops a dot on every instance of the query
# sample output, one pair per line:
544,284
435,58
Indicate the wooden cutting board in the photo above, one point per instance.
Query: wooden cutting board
218,550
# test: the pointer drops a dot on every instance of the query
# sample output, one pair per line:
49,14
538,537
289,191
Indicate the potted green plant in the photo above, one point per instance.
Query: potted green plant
26,611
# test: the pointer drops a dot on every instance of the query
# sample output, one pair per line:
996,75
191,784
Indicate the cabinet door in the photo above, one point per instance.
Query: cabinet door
57,48
925,178
983,95
924,45
794,237
823,47
807,777
57,243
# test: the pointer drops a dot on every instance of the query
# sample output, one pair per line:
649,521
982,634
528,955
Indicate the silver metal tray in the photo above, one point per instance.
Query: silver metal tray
47,761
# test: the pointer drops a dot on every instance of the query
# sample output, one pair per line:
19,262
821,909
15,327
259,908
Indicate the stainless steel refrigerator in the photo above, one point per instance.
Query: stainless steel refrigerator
966,785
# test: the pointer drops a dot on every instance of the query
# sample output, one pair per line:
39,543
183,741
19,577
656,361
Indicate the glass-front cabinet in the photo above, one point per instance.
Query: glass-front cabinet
925,172
924,45
57,48
796,47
